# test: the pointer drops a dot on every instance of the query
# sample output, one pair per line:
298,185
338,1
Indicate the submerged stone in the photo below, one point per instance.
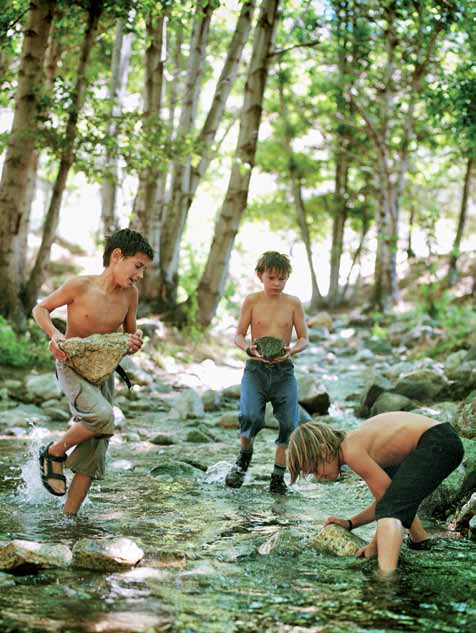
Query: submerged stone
107,554
20,556
270,347
96,357
334,539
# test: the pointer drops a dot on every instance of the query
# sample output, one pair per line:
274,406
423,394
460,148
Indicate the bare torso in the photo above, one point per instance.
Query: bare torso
272,316
387,438
96,309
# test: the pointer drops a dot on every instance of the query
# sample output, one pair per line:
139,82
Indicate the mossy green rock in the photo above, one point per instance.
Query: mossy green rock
270,347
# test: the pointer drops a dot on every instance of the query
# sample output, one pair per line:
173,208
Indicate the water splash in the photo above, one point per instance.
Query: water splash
31,490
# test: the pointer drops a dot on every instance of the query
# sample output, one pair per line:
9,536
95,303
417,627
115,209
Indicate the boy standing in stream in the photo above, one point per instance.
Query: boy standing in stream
270,313
402,457
96,304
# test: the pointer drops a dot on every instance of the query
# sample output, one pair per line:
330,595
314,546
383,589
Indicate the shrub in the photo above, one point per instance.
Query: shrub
29,350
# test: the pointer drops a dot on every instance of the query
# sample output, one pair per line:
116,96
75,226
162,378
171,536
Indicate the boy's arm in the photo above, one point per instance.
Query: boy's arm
376,479
41,313
244,323
130,323
300,325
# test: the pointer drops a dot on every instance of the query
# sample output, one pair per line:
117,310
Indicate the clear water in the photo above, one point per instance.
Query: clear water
203,570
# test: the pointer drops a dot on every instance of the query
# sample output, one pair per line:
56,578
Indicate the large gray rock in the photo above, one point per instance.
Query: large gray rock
391,402
422,384
20,556
334,539
187,405
106,554
42,387
374,387
96,357
22,415
312,395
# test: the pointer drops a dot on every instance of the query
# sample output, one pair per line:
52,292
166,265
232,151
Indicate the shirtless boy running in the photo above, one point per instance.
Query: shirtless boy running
269,313
401,456
96,304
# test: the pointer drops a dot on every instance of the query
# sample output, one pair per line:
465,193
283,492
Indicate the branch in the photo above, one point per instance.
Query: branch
283,51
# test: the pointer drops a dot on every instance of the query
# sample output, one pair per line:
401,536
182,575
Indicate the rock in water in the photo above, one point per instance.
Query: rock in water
111,554
27,556
336,540
96,357
270,347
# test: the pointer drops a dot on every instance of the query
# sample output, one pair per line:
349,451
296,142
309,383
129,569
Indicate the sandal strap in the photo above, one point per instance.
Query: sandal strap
54,476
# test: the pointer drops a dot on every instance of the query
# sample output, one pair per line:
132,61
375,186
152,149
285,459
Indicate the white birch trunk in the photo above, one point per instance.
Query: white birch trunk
212,283
117,92
171,222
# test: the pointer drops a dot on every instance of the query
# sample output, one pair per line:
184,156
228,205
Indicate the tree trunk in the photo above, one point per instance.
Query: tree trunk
411,224
455,251
172,223
67,158
296,189
117,90
212,283
13,185
145,201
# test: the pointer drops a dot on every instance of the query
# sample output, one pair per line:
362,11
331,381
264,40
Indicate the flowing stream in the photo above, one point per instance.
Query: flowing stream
206,567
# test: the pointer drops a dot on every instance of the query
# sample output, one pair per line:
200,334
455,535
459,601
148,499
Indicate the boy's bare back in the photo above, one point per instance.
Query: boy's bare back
274,316
386,438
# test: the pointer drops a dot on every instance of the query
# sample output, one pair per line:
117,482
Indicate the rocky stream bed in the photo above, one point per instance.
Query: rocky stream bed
198,557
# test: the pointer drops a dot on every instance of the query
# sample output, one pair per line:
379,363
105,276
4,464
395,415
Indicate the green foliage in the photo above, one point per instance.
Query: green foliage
29,350
458,322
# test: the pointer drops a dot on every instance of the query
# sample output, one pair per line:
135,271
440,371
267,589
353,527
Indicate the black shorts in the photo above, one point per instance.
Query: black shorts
436,455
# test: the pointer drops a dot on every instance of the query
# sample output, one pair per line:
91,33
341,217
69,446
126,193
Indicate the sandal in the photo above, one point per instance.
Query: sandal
420,546
47,460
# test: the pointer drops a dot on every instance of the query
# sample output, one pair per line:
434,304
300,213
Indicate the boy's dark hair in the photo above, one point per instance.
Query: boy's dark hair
130,242
272,260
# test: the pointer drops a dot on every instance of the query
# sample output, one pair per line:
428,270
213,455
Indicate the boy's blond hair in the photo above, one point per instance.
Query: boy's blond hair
311,444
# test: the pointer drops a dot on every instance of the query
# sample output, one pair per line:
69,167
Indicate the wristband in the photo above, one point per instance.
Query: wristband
351,527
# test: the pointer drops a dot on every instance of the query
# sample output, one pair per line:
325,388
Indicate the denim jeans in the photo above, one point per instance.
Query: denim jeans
262,383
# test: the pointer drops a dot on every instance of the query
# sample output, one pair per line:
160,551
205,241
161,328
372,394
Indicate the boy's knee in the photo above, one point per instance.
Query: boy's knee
104,423
250,425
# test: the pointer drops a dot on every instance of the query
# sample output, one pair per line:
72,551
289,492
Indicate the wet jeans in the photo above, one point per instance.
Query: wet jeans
262,383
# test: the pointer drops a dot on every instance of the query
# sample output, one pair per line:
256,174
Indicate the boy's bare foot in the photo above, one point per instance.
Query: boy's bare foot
51,467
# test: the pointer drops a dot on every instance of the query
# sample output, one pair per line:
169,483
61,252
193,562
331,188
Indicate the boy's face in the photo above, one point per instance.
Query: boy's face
328,471
273,282
128,270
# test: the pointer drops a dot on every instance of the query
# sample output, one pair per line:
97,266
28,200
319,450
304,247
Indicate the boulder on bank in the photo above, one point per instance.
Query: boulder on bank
424,385
312,396
22,557
107,554
391,402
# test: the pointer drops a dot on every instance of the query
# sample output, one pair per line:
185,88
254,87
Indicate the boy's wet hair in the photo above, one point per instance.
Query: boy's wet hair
130,242
272,260
311,444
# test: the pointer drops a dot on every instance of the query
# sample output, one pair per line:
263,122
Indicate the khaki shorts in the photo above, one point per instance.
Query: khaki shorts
90,405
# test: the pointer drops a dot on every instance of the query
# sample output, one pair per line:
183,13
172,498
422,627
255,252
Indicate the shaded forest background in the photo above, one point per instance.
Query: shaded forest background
345,127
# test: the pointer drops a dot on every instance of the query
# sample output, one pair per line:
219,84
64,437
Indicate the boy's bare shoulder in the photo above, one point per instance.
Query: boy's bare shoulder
252,298
295,301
